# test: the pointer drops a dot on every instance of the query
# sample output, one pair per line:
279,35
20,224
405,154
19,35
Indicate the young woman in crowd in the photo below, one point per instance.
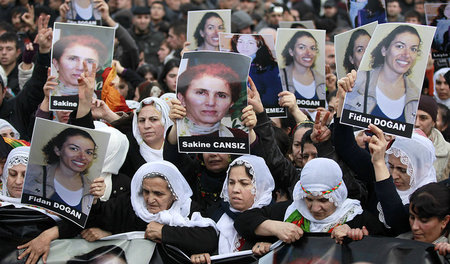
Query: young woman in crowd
168,76
248,185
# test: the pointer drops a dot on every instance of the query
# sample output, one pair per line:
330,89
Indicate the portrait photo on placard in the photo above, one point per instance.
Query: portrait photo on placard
64,161
73,46
83,12
212,87
263,69
438,15
301,60
350,47
204,26
389,79
305,24
362,12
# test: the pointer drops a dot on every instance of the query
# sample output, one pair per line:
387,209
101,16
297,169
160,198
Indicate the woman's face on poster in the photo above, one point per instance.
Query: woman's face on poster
359,48
304,52
447,11
207,100
401,54
247,45
210,32
70,64
76,153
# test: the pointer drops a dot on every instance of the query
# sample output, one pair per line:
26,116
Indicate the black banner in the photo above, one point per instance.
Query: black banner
310,103
276,111
63,209
387,125
64,103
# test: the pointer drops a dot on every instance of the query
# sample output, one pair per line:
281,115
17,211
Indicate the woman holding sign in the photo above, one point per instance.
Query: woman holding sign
386,91
299,76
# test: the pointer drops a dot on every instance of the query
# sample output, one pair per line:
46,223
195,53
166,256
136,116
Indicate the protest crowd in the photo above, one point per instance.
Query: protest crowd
302,172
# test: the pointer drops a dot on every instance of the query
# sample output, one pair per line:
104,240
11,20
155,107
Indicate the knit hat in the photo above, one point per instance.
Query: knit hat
240,20
429,105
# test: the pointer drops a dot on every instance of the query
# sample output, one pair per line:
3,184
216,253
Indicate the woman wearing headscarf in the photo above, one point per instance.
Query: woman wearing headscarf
7,130
14,174
146,136
160,204
320,205
249,184
399,171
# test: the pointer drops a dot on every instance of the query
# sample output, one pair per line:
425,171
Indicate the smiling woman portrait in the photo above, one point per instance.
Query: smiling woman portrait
68,156
207,32
386,91
299,76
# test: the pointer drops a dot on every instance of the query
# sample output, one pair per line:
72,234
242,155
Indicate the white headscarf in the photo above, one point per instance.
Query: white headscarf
436,76
4,123
146,151
177,214
116,152
263,185
17,156
418,154
323,176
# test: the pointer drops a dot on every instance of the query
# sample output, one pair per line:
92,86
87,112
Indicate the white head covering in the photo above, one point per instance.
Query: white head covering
263,185
147,152
17,156
168,96
418,154
177,214
436,76
4,123
116,152
323,176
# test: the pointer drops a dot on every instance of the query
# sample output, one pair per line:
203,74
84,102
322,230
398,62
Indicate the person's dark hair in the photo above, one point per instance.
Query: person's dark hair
179,27
288,122
9,37
148,68
201,27
413,13
18,10
263,58
330,95
306,139
349,50
445,113
217,70
282,140
145,89
6,27
377,56
94,256
167,68
288,59
440,15
431,200
82,40
374,7
247,170
58,142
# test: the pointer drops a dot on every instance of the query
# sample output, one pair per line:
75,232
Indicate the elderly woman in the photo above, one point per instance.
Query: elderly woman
207,32
14,172
69,53
249,184
386,91
320,205
7,130
160,204
299,76
208,91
